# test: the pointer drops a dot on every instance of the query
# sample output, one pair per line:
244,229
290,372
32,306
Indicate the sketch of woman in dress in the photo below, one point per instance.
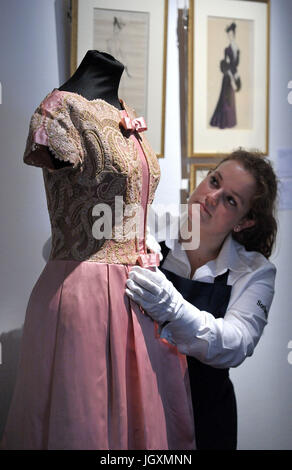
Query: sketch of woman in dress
224,115
115,44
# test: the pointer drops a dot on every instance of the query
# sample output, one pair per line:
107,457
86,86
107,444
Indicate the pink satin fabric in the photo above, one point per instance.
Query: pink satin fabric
143,206
135,399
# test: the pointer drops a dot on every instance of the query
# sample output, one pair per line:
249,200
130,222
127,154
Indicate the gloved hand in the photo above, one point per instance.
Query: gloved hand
155,293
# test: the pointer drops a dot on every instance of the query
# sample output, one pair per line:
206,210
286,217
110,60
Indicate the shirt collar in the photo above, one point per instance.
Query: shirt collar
231,256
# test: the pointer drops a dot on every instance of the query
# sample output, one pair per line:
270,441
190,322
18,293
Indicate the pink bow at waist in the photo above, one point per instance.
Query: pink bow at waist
148,260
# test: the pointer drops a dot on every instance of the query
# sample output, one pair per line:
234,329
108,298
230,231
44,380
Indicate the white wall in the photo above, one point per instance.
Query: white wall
264,381
29,69
32,62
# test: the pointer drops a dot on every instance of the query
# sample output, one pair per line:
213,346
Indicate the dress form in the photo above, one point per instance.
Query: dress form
93,365
97,77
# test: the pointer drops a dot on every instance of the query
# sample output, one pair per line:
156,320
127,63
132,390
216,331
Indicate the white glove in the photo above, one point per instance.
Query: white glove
160,299
155,293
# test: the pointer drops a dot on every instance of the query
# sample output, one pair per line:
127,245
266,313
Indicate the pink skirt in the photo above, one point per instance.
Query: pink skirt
93,373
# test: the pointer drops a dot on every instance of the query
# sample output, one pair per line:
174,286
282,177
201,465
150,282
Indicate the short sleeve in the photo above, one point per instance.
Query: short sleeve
53,140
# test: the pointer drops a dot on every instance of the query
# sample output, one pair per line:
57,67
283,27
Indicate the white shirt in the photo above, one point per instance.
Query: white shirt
224,342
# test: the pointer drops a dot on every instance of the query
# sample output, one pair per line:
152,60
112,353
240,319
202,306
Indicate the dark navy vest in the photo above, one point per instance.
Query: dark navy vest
213,397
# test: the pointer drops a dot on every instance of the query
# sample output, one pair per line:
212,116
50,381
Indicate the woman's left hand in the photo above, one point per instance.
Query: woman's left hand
155,294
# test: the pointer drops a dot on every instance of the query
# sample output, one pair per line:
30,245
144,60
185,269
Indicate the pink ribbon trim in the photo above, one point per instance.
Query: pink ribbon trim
137,124
49,104
148,259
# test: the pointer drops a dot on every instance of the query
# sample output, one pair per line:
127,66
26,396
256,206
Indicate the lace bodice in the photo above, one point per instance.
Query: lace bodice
105,163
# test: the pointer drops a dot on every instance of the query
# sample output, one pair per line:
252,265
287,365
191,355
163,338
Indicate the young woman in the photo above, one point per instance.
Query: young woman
213,301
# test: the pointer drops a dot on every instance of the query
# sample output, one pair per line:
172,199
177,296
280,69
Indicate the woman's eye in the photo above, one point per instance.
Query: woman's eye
231,201
214,181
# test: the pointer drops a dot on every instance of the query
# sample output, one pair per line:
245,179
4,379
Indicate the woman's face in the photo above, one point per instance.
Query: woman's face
225,197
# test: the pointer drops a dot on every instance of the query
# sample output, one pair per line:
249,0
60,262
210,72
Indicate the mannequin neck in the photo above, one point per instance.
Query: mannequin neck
97,77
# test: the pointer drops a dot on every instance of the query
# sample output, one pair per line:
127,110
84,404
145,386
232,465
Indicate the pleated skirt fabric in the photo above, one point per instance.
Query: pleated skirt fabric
93,372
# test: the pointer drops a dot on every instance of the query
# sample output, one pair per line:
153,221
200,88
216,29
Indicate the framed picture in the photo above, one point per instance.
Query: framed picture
228,74
135,33
198,172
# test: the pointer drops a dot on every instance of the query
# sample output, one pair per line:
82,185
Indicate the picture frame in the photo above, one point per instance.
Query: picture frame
198,172
228,76
135,33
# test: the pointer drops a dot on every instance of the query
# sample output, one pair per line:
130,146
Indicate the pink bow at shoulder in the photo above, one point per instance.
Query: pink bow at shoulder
137,124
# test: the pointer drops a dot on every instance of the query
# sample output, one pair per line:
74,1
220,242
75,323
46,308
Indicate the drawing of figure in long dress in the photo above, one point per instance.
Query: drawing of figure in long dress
116,42
224,115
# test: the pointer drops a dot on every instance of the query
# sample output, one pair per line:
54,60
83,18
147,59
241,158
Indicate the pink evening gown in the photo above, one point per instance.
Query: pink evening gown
93,372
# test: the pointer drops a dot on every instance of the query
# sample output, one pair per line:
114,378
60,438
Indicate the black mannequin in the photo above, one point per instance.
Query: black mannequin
98,76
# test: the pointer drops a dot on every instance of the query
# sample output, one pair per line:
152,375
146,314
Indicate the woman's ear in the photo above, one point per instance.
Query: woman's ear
245,223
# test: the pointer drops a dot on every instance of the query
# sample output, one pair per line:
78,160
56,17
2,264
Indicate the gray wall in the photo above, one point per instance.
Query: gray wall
264,381
33,60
